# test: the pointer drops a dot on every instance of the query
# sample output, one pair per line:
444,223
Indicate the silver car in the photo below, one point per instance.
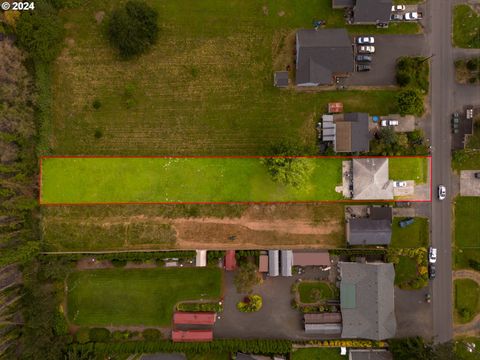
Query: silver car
442,192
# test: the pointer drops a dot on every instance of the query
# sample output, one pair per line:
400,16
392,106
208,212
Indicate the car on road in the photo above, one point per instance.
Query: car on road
389,122
431,271
477,175
442,192
363,58
398,8
399,184
369,49
412,16
406,222
365,40
396,17
364,67
432,255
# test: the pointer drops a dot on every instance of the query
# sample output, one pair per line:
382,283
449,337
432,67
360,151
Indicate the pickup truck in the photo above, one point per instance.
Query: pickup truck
411,16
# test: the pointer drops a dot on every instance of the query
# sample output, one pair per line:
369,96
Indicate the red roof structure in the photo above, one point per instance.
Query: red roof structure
304,258
194,318
192,336
263,263
230,261
335,107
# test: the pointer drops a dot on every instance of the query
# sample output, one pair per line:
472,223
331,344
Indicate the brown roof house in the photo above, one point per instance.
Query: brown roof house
349,132
323,55
371,179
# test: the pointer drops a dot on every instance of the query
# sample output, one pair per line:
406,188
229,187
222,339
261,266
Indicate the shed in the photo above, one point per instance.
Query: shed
287,262
263,263
280,79
192,336
201,258
369,354
230,260
194,318
335,107
273,264
311,258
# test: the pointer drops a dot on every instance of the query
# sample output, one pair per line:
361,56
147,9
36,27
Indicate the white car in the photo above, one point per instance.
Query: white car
398,8
432,255
365,40
389,122
412,16
366,49
399,184
442,192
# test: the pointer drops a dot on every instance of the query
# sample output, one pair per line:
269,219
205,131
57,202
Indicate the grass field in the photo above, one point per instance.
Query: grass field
467,230
415,168
462,351
405,270
467,299
202,90
137,296
413,236
466,160
313,292
120,180
317,354
466,27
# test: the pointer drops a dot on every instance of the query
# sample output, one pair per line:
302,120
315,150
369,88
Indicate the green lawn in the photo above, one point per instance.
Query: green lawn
202,90
313,292
414,168
405,270
467,230
466,160
101,180
466,27
462,351
317,354
137,296
413,236
467,299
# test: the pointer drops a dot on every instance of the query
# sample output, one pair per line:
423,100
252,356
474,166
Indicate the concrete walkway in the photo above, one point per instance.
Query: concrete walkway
472,328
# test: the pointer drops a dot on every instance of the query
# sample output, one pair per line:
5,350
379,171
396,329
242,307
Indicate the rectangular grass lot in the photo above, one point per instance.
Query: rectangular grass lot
126,180
137,296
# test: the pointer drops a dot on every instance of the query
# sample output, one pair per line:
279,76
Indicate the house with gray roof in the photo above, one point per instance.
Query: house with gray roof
369,354
367,11
367,300
376,229
322,56
370,179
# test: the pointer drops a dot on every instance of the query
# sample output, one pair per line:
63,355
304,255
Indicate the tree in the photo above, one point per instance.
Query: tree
246,277
410,102
133,28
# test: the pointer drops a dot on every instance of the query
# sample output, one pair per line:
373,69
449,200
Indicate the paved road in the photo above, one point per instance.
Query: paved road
442,83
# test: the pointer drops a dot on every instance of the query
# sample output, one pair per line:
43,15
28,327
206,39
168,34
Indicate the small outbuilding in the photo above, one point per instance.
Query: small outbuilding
280,79
311,258
194,318
201,258
273,263
263,263
230,260
287,262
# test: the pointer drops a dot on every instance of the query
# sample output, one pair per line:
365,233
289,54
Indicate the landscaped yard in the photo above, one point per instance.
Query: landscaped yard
137,296
413,236
466,159
201,90
466,27
467,231
317,354
463,351
405,270
411,168
467,299
315,291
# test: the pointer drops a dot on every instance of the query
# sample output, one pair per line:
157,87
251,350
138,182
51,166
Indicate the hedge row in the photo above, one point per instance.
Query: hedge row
200,307
231,345
129,256
102,335
358,252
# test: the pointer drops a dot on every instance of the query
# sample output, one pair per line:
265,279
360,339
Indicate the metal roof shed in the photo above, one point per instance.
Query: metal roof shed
273,265
263,263
287,262
201,258
194,318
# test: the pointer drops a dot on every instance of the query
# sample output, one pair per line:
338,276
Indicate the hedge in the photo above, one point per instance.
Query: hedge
129,256
99,334
202,307
358,252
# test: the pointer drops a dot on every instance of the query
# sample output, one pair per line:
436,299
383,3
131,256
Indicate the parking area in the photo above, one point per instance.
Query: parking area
388,48
469,184
413,313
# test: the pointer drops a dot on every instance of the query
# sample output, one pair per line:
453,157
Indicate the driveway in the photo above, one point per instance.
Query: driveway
469,184
413,313
388,48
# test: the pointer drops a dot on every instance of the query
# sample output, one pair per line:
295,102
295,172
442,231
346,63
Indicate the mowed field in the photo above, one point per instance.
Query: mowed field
206,87
467,230
137,296
173,180
409,168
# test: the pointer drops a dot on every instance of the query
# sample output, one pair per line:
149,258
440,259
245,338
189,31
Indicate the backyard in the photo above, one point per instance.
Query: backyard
467,231
467,300
466,27
136,296
409,168
315,291
203,90
413,236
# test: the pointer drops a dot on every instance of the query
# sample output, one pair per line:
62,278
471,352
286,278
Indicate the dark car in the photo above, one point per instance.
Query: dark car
477,175
363,67
396,17
431,271
363,58
406,222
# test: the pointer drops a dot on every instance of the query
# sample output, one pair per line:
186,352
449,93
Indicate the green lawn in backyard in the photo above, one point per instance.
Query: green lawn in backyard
467,230
467,298
317,354
201,90
413,236
102,180
405,270
462,350
409,168
315,291
466,27
136,296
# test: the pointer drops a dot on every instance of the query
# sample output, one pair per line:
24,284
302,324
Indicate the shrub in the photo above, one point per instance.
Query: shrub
119,262
251,303
410,102
99,334
96,104
121,335
473,64
133,28
60,326
152,334
98,134
246,277
82,335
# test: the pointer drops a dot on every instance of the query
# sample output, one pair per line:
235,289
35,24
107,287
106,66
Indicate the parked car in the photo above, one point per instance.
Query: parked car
398,8
455,118
389,122
442,192
411,16
432,255
369,49
477,175
406,222
363,67
428,298
399,184
363,40
363,58
431,271
396,17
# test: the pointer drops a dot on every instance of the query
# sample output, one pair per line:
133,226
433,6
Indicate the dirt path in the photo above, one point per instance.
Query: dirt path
471,328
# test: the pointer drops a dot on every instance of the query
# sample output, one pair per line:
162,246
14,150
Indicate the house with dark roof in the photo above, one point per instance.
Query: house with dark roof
376,229
370,178
322,56
367,300
369,354
367,11
351,133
